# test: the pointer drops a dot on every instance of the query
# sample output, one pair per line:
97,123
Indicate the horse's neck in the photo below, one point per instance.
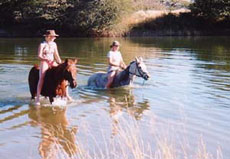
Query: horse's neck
125,76
57,72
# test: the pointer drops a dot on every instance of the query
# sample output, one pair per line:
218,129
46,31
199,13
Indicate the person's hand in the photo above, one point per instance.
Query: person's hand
48,60
122,66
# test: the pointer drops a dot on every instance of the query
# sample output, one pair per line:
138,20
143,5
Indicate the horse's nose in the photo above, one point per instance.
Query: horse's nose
146,77
75,83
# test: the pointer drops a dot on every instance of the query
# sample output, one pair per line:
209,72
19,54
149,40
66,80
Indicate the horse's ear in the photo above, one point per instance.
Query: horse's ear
70,61
140,58
137,60
75,60
66,61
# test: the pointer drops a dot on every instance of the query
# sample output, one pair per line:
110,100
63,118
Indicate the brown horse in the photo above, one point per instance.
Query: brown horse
55,81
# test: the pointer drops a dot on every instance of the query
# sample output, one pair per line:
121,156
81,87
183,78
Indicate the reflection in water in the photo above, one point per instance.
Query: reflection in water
121,100
56,136
20,51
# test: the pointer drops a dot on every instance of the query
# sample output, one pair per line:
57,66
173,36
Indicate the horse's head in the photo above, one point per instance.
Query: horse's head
70,72
138,68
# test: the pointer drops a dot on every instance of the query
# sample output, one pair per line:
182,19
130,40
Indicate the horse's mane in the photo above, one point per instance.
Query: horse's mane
55,74
124,74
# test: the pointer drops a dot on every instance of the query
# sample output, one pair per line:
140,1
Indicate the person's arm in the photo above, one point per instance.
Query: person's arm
40,53
122,64
56,55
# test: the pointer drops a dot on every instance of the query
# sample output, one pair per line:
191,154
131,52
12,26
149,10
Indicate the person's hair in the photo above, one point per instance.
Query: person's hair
114,43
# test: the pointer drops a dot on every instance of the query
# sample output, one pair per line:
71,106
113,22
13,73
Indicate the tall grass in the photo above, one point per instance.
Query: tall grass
148,20
131,141
128,138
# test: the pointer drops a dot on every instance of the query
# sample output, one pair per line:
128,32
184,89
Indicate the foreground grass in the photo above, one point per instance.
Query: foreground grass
130,140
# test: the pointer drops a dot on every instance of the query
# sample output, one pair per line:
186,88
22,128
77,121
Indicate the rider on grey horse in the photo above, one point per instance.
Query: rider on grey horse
115,62
125,77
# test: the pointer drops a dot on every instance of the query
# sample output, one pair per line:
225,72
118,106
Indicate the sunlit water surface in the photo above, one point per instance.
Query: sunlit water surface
184,107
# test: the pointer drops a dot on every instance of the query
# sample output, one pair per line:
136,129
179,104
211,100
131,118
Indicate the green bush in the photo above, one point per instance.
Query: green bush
92,17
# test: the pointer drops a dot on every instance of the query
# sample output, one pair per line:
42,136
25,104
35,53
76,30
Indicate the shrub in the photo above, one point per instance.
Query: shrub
96,16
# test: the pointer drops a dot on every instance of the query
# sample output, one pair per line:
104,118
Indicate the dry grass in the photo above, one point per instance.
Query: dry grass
127,138
140,17
130,142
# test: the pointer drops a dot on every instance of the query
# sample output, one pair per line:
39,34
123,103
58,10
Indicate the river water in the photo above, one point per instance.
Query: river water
181,112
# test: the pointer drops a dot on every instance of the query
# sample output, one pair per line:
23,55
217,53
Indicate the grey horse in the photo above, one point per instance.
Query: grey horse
122,78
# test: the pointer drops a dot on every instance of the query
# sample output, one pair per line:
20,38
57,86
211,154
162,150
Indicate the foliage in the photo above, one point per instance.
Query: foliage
32,12
212,9
96,16
82,16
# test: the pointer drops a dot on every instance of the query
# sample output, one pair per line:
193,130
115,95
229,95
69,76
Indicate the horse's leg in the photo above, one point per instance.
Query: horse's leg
33,96
51,98
63,87
33,80
69,98
59,90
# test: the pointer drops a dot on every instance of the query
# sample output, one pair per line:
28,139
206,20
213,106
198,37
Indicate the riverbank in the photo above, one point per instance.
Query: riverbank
178,22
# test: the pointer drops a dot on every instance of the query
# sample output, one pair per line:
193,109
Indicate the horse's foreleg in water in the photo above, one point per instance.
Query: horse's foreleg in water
51,98
61,89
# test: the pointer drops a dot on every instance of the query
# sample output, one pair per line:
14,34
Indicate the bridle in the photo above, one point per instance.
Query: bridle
139,70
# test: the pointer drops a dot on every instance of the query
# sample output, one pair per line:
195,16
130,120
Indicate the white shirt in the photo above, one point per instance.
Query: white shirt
48,50
116,58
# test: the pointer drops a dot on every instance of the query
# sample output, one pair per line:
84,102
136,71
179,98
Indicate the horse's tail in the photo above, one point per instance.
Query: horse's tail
33,80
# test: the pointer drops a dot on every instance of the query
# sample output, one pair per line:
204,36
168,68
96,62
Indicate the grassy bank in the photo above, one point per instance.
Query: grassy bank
179,22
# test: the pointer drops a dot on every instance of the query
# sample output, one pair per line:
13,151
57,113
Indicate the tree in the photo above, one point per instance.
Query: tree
22,10
86,17
95,16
